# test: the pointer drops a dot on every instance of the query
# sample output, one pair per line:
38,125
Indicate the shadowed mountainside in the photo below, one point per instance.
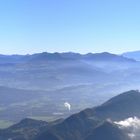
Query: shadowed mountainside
94,123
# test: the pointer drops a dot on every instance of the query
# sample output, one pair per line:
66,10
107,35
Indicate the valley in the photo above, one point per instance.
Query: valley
37,86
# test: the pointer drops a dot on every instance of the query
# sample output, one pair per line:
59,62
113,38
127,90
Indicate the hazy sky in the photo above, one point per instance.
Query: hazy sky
28,26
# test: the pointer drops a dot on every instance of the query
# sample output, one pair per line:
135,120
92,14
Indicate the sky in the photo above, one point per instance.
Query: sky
31,26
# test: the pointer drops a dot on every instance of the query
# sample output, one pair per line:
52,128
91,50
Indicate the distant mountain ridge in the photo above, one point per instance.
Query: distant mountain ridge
132,55
105,56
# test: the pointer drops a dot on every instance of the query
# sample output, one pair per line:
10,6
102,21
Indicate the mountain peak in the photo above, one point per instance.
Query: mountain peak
105,56
27,122
133,55
45,56
132,95
120,107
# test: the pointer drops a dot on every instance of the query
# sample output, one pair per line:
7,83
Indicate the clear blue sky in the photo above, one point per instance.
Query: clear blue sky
28,26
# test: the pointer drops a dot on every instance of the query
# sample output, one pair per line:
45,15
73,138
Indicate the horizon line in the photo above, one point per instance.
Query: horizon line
76,52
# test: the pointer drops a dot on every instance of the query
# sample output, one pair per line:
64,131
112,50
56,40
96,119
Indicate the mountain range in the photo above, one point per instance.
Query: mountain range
45,56
38,85
49,70
132,55
93,123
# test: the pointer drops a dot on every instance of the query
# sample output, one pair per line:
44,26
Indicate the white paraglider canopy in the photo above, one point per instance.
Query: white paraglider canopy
67,105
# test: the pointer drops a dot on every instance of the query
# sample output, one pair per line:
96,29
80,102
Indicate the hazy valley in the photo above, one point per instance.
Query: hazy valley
38,85
69,70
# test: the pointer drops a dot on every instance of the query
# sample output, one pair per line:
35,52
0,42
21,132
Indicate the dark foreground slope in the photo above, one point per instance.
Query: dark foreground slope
83,124
27,129
107,131
120,107
90,124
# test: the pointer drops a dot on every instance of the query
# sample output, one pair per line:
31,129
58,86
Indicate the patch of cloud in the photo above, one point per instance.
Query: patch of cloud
130,122
131,126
